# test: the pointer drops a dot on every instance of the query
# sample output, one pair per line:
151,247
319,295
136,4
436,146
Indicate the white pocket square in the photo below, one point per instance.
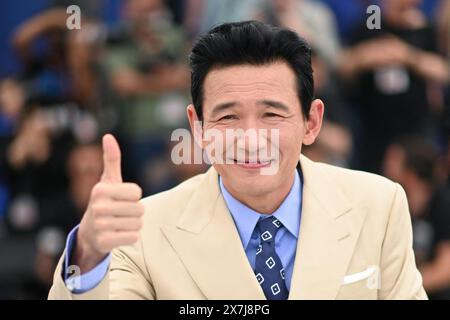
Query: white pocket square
355,277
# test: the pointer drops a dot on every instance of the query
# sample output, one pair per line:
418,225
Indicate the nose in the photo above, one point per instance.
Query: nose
251,142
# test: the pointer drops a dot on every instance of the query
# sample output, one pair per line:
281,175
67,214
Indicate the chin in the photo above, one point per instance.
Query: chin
256,184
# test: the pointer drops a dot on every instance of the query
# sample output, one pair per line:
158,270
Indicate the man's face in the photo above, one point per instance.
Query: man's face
252,98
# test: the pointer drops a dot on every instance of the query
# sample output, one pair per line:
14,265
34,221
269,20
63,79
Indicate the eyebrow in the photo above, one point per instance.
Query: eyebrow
271,103
274,104
222,107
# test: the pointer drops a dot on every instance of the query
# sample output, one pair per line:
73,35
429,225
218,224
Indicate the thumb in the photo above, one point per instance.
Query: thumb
111,160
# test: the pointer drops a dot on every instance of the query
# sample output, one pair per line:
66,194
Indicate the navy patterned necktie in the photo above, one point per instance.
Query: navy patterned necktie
269,270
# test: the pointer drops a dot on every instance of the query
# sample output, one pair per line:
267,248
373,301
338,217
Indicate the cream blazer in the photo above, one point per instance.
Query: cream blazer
355,242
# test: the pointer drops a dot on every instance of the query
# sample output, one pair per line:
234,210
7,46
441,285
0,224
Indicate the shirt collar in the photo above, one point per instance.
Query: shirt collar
245,218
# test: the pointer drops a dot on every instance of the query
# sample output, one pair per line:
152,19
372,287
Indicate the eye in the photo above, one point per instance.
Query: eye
271,115
228,117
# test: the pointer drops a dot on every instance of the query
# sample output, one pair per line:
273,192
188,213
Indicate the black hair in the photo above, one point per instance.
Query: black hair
255,43
421,156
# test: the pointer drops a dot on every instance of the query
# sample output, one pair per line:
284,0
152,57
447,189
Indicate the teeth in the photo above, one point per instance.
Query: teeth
248,162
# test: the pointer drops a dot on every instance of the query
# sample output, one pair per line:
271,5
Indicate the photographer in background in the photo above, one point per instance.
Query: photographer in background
413,162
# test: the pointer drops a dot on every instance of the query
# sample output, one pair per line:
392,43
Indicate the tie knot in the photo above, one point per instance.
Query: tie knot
268,228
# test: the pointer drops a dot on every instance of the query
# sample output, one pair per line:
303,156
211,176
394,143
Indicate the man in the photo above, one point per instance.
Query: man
392,71
413,162
147,85
306,231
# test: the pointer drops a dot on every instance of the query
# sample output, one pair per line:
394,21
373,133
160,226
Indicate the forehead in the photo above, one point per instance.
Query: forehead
247,82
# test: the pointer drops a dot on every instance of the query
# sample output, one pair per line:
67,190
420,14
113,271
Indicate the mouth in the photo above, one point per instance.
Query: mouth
252,165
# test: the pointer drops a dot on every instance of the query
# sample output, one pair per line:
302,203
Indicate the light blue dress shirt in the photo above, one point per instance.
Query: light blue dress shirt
289,213
89,280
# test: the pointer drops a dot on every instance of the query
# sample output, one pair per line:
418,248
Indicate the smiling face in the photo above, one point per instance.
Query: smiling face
249,97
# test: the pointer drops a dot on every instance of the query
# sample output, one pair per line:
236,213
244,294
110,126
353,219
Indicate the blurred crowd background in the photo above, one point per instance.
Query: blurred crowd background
386,93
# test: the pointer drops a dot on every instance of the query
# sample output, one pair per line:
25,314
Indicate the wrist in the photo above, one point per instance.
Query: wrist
84,255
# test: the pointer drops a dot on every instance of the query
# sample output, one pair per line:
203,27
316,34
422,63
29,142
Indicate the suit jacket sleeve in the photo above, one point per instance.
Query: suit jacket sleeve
400,278
127,278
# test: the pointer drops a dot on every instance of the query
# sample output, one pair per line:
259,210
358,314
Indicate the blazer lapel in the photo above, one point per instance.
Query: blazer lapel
329,229
207,241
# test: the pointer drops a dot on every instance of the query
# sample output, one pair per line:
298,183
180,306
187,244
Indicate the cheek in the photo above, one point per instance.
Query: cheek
290,141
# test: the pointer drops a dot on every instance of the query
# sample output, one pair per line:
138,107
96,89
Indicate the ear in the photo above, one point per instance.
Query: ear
314,122
195,124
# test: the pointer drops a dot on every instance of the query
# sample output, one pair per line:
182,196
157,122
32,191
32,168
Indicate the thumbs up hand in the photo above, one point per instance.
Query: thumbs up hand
114,214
